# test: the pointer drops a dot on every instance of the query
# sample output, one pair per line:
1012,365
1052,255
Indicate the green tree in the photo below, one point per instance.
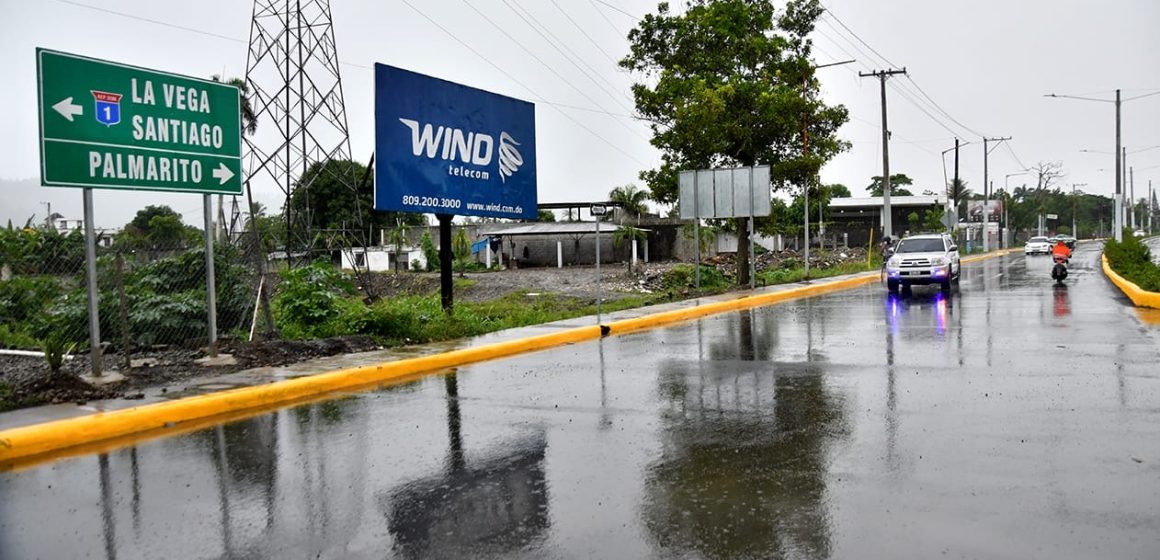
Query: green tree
430,252
397,238
327,205
932,219
838,190
897,180
913,220
545,216
461,248
630,199
958,193
728,83
157,228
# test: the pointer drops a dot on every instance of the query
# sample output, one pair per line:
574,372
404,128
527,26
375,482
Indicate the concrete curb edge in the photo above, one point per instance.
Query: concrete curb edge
1139,297
104,430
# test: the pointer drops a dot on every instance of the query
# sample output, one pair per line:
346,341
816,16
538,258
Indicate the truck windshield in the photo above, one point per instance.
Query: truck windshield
920,246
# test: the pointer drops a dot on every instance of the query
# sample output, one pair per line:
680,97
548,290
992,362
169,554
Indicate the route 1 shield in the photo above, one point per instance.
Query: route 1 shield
108,107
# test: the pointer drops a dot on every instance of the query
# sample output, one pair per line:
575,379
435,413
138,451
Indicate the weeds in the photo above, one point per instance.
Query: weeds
55,347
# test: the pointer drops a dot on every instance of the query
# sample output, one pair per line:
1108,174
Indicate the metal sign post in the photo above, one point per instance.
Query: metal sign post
210,281
597,211
110,125
696,234
91,265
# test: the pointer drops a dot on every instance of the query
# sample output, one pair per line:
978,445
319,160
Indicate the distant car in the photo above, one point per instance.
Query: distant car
1036,246
1138,233
923,259
1067,240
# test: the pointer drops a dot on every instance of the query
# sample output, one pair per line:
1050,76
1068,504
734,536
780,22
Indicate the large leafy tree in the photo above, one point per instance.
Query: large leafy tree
731,83
897,180
331,207
157,227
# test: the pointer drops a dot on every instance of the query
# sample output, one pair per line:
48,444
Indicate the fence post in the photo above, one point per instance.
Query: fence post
123,313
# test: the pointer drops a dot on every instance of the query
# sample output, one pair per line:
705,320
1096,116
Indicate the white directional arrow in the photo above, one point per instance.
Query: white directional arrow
222,174
68,109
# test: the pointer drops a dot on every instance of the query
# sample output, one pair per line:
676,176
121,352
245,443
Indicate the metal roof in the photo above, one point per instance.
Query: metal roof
556,228
876,201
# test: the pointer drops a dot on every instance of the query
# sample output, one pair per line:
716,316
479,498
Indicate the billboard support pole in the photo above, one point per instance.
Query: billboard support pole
91,264
599,295
696,235
445,272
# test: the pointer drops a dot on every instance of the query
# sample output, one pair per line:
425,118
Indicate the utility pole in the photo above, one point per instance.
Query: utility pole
1132,195
1117,223
986,193
955,183
1151,208
887,226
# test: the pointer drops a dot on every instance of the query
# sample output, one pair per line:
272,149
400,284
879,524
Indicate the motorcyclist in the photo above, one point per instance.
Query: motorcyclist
887,248
1061,252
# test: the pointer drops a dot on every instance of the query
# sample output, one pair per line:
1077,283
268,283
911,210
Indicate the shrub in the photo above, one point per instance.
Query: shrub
1131,259
682,277
311,296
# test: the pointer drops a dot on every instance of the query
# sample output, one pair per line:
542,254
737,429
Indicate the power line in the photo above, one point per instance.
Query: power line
634,18
521,84
605,18
851,32
554,105
585,33
613,89
533,55
153,21
917,96
1141,96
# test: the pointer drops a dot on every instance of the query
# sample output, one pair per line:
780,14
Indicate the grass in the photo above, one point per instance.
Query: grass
421,319
797,274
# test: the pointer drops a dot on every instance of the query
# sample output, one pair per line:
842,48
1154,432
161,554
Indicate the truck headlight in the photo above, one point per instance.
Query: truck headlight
894,262
938,261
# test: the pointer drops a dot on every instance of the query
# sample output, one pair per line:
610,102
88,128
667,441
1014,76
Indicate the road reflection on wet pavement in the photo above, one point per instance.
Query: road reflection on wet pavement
1009,418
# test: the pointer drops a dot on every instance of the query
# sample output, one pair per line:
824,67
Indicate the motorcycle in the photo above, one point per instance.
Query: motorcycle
1059,270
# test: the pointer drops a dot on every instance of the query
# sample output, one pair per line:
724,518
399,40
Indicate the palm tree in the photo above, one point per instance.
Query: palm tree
249,117
958,192
630,199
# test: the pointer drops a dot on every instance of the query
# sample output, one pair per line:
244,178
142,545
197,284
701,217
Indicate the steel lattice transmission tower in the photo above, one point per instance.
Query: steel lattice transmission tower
295,90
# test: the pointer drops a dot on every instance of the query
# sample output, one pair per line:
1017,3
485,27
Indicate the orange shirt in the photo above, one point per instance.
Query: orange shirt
1061,250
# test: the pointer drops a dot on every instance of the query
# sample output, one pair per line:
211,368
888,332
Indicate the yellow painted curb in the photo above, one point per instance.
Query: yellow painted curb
1139,297
108,430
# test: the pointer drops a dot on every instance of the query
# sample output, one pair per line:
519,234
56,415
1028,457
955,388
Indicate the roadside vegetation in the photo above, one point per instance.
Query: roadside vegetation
1132,259
320,301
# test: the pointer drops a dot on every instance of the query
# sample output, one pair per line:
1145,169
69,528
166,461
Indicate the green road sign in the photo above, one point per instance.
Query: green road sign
113,126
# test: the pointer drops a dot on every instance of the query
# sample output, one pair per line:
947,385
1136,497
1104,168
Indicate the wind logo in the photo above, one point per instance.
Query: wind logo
471,148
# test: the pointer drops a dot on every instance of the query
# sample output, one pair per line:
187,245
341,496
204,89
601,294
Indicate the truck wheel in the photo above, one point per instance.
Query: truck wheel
892,285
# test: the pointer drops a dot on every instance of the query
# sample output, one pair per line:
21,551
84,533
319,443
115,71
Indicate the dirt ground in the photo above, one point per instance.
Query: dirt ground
26,381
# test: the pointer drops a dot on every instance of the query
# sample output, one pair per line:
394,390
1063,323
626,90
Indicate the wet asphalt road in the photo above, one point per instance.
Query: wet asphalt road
1010,420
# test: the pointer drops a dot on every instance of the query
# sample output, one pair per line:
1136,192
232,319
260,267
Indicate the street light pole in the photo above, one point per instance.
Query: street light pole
806,153
1074,231
986,194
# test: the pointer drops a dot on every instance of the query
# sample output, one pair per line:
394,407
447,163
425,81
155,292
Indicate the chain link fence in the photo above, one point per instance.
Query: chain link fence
152,294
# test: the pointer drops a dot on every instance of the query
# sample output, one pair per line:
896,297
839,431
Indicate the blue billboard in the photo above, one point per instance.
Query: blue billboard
445,148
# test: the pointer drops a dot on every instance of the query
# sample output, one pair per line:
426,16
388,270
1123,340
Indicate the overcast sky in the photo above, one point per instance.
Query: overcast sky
987,63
